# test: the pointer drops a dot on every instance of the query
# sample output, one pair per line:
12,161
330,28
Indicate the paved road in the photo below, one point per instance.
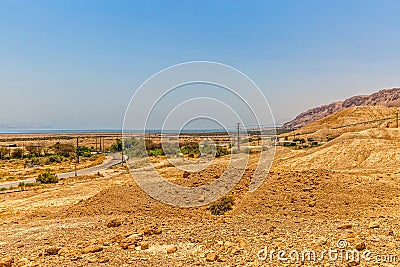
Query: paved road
111,160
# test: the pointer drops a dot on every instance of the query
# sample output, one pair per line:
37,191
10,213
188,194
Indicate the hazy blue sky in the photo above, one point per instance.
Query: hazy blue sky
75,64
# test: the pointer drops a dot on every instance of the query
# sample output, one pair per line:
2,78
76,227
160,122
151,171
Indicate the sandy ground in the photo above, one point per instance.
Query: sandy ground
108,220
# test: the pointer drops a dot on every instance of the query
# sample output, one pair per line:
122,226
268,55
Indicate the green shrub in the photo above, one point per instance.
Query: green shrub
85,151
117,146
221,151
47,177
222,206
55,159
156,152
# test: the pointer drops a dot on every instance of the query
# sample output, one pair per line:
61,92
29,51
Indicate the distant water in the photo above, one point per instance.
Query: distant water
57,131
71,131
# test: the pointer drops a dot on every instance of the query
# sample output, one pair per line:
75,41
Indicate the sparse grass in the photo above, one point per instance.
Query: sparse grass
223,205
23,184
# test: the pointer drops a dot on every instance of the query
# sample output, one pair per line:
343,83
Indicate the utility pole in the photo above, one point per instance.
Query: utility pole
397,119
77,155
77,149
238,136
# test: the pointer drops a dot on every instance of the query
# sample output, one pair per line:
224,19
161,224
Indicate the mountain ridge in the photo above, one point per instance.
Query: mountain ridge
385,97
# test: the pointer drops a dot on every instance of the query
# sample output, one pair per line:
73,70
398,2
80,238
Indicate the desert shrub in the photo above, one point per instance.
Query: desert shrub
117,146
300,140
47,177
190,149
221,151
3,152
44,161
55,159
134,147
23,184
65,150
156,152
222,206
3,189
33,150
35,161
85,151
17,153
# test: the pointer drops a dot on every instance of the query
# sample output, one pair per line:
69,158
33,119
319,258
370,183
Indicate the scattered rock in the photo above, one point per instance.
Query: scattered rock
51,251
114,223
201,198
211,257
102,259
171,249
131,241
150,230
144,245
186,174
6,262
65,251
345,226
373,225
92,249
312,203
361,246
353,263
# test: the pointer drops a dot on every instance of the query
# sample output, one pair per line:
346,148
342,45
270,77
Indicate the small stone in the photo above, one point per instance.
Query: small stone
144,245
228,244
114,223
345,226
201,198
51,251
92,249
211,257
6,262
353,263
312,204
69,252
171,249
102,259
360,246
150,230
373,225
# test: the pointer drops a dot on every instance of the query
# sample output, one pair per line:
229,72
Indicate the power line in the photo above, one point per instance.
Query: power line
238,136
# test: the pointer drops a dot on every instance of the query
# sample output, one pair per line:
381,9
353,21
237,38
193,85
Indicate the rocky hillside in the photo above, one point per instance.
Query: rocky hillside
387,97
352,119
374,149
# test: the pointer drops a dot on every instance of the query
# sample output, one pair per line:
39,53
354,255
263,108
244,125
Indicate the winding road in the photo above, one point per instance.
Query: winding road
112,159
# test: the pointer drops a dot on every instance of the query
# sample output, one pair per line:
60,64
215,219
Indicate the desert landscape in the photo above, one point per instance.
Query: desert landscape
334,186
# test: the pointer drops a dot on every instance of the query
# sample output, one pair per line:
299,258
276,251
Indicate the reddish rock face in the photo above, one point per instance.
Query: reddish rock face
387,97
